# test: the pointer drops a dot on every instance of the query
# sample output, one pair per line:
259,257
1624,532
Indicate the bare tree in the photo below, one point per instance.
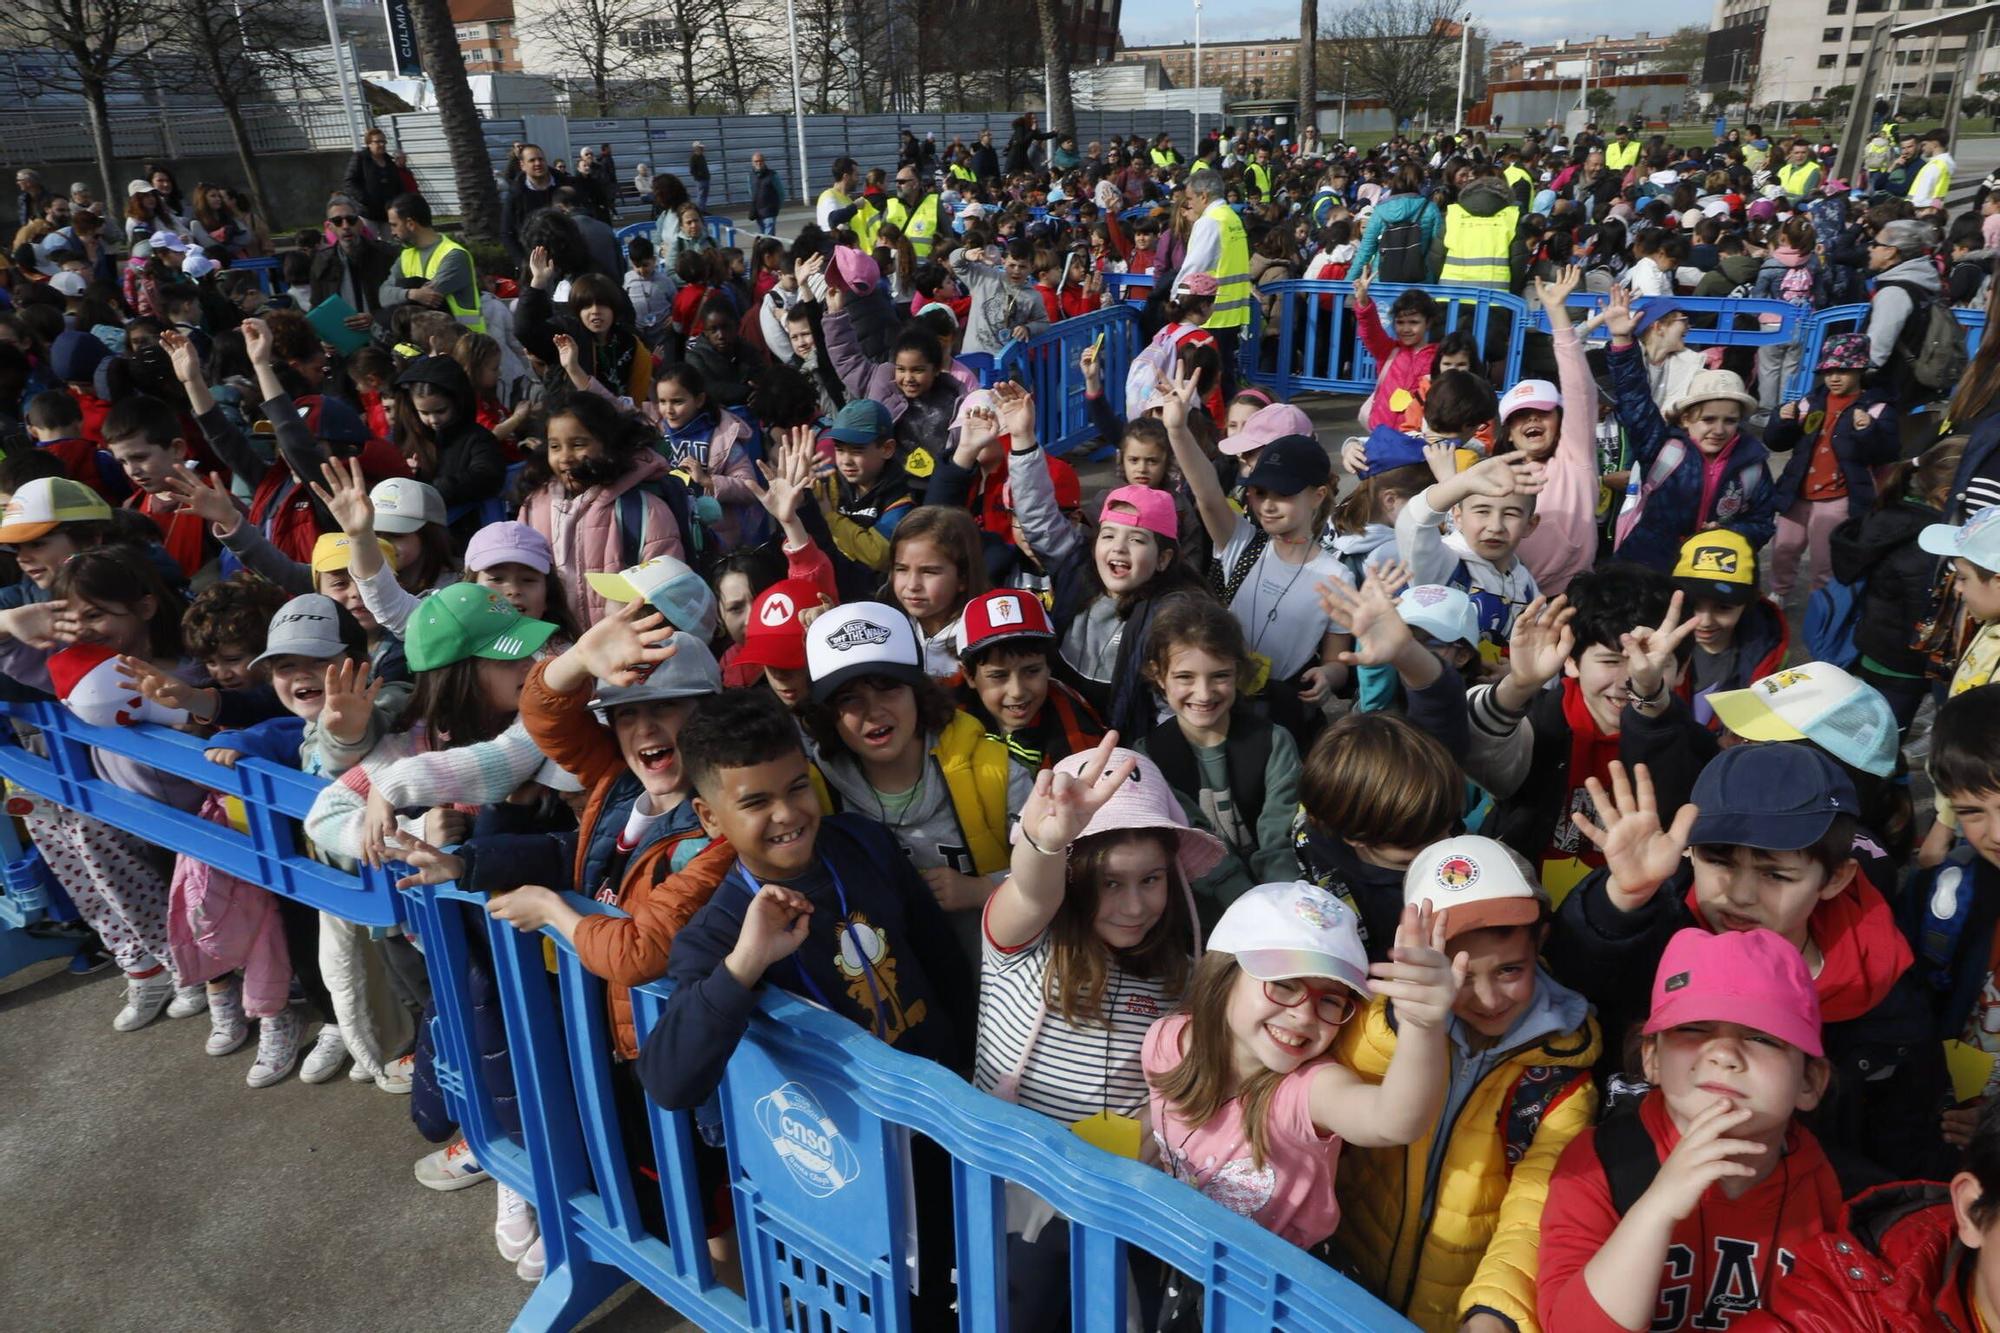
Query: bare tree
1398,50
746,58
1308,113
92,43
478,191
1055,59
227,50
611,43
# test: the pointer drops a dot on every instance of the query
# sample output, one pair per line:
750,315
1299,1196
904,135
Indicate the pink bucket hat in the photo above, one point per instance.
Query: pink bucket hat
1265,425
1145,801
1751,977
1151,509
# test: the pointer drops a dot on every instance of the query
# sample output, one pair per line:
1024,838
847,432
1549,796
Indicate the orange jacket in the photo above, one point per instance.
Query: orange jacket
630,950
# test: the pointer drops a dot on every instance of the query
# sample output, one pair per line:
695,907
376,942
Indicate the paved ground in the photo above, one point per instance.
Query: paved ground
143,1186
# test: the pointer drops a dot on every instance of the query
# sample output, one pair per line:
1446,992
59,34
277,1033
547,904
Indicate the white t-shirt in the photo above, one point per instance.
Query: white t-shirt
1278,603
1072,1072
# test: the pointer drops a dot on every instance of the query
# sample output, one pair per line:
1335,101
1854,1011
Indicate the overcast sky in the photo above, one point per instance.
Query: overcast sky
1231,20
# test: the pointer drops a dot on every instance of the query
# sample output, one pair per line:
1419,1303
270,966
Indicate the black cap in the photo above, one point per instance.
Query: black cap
1290,464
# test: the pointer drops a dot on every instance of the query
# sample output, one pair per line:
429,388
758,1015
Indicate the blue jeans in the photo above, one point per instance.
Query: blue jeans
701,195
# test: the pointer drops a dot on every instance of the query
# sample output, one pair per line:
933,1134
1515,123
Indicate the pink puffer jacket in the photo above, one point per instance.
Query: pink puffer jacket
218,924
583,530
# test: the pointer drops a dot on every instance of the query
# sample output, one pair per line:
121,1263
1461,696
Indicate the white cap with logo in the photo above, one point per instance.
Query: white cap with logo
1281,931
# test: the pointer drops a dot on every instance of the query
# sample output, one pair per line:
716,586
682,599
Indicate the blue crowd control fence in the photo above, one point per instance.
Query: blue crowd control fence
1318,342
1050,365
1726,310
720,230
626,235
1132,287
28,897
1840,319
267,271
273,799
816,1114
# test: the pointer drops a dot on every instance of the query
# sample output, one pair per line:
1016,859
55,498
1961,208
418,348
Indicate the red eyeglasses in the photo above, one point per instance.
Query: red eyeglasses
1334,1006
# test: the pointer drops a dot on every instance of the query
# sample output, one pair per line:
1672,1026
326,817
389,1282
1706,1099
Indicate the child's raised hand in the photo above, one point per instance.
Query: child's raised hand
1361,284
1441,457
218,755
1541,642
1790,411
788,483
1061,806
1502,475
35,623
349,700
1705,1156
1419,978
429,864
154,683
1014,406
1178,392
1639,853
1354,455
541,267
184,356
774,927
624,646
1649,652
1092,365
1370,612
979,429
207,499
1555,294
566,352
345,496
1618,314
256,341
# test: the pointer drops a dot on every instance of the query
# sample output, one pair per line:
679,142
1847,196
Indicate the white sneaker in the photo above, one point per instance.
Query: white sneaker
188,1001
534,1263
277,1049
227,1027
397,1075
323,1061
515,1229
144,998
451,1167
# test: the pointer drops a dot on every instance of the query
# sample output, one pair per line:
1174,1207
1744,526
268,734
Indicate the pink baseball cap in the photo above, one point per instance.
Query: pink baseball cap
1150,509
855,272
1751,977
976,401
1197,284
1537,394
1265,425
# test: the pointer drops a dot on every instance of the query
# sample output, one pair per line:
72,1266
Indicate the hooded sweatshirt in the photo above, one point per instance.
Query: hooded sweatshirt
1724,1256
1890,308
1730,272
1397,208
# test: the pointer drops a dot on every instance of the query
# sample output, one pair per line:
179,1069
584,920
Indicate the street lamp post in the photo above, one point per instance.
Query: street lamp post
1464,46
1197,77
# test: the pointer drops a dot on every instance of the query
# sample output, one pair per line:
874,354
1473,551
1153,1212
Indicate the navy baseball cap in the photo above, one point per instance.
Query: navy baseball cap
1290,464
1779,796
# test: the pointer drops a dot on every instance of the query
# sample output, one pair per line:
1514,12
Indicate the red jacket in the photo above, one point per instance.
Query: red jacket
1723,1255
1895,1266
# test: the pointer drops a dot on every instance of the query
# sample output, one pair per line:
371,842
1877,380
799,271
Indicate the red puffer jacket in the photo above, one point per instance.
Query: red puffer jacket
1895,1267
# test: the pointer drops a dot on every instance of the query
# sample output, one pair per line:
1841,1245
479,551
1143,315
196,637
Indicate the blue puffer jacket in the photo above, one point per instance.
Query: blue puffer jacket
1398,208
1745,502
1858,451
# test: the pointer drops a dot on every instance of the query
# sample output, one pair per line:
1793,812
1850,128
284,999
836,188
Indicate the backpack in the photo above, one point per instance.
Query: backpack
1833,615
1400,253
1796,286
698,546
1932,342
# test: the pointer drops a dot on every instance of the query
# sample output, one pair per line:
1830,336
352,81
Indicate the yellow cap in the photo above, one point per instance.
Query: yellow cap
335,550
1719,564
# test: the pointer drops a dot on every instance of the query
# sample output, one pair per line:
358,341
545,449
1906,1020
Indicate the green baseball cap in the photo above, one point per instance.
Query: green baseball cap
466,620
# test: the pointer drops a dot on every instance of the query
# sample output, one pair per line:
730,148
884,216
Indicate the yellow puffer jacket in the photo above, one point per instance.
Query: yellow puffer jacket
1480,1248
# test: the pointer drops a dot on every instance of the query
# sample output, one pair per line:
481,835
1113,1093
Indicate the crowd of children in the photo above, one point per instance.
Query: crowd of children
1475,878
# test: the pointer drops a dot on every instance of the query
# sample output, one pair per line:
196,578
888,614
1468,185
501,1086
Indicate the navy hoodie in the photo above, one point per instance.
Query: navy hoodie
927,1014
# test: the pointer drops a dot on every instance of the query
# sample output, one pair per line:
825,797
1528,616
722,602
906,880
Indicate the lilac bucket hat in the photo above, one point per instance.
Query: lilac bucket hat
1145,801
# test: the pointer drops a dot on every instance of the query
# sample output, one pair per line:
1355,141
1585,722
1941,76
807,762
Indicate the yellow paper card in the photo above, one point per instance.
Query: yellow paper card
1400,400
1560,874
1115,1134
1970,1067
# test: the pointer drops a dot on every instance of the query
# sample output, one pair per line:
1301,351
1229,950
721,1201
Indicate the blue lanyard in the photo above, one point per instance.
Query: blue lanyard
881,1024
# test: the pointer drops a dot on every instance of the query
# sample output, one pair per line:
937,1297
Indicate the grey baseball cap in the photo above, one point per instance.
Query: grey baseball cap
690,673
306,626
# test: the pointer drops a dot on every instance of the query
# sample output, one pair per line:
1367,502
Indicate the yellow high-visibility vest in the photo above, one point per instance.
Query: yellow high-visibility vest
1932,181
1260,177
1232,271
1476,248
919,225
410,267
1795,179
1620,157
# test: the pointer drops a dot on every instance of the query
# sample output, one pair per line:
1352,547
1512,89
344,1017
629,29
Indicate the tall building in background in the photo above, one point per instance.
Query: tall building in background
1790,51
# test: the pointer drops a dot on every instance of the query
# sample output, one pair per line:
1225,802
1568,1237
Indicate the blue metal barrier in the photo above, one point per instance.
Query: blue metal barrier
1840,319
1319,347
720,230
1727,310
982,364
273,799
1048,364
627,234
267,271
28,897
1132,287
815,1114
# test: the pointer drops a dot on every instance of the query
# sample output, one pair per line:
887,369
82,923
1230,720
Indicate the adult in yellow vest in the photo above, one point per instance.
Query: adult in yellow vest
451,282
1622,153
1800,175
1479,233
1258,174
1217,246
1163,154
1933,180
914,211
839,201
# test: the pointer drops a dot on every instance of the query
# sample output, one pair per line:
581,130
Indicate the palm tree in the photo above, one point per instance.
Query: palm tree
1055,57
478,195
1308,68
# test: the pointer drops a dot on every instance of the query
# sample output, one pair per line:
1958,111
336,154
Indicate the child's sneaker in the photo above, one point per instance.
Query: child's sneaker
323,1061
397,1075
452,1167
227,1027
144,998
188,1001
533,1264
515,1229
277,1049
